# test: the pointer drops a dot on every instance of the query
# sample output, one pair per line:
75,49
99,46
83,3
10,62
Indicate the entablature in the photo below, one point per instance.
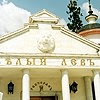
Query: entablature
66,60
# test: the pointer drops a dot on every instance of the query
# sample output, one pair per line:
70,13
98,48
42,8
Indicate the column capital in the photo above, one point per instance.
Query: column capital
96,71
25,71
64,71
88,77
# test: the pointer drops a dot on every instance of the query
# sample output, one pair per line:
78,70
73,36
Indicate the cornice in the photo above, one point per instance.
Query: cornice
35,19
80,38
17,33
13,34
56,26
45,55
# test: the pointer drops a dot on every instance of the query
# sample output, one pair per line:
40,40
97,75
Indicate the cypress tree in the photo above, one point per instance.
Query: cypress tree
74,12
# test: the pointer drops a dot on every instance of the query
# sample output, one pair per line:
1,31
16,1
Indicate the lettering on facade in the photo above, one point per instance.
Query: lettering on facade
47,61
81,62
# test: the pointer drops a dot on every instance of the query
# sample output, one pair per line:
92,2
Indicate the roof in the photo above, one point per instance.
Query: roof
90,26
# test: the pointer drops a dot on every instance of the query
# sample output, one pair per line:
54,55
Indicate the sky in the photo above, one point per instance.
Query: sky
14,13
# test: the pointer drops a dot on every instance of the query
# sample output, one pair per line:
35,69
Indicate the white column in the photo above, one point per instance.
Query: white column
88,88
1,95
65,85
97,84
25,85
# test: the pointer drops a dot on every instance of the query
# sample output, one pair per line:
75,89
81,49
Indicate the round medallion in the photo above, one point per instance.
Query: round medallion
46,43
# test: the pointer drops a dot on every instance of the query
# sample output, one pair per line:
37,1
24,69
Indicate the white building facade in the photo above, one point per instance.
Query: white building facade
45,61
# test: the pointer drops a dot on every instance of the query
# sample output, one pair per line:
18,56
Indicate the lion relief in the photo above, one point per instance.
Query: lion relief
46,43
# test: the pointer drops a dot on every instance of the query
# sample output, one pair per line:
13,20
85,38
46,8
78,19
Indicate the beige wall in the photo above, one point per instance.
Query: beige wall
80,94
17,88
55,83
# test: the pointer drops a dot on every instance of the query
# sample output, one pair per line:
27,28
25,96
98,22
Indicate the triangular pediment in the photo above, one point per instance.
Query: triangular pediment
43,15
46,38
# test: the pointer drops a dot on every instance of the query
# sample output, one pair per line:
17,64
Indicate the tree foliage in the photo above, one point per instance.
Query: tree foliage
74,13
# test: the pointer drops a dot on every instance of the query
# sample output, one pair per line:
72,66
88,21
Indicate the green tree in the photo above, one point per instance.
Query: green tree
74,13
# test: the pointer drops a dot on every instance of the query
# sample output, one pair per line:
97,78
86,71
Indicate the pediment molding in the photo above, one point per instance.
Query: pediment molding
16,33
80,38
46,55
43,16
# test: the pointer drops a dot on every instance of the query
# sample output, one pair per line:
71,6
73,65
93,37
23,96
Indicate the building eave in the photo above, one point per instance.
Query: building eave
80,38
18,32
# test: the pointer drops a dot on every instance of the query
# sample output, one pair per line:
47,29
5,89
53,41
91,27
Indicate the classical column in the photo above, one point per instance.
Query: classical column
65,85
97,84
25,85
1,95
88,88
